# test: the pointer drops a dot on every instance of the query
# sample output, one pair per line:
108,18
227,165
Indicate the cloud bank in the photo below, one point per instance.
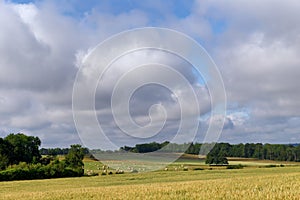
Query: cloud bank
255,44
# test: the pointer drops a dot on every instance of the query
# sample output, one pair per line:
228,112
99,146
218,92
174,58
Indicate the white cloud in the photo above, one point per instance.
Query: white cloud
258,56
257,52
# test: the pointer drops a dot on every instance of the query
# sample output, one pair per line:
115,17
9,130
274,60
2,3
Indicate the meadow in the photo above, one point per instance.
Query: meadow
259,180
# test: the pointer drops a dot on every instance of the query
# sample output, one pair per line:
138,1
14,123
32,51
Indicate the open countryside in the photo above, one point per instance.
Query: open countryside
75,173
149,100
257,180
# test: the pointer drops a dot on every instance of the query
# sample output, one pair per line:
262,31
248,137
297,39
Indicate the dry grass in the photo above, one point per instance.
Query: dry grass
266,187
258,183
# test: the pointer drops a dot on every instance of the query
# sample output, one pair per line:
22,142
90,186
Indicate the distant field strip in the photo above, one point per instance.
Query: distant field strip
260,183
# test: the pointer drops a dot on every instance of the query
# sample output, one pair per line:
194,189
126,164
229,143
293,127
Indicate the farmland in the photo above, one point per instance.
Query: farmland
257,181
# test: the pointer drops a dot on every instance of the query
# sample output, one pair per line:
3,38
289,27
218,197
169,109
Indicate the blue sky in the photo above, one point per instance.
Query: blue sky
154,8
254,44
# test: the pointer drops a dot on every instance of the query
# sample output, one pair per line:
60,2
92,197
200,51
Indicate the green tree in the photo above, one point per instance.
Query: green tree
23,148
217,155
258,151
75,156
5,153
297,153
249,150
216,159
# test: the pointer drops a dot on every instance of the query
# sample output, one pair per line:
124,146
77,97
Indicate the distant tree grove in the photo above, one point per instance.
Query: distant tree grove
59,151
279,152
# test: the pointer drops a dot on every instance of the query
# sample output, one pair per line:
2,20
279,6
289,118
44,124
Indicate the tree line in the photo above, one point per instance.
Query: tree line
59,151
20,159
279,152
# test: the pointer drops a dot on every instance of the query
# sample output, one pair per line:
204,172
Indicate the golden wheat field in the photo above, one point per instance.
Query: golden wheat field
248,183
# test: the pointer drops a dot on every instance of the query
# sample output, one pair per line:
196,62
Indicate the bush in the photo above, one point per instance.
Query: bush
25,171
47,160
270,166
32,165
198,168
239,166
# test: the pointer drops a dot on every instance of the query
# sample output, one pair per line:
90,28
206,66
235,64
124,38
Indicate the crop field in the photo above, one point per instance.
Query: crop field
258,181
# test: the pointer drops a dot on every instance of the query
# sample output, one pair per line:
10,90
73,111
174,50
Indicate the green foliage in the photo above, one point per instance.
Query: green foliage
54,151
216,159
22,148
5,153
59,151
24,171
75,156
4,161
217,155
21,152
47,160
239,166
278,152
198,168
145,148
269,166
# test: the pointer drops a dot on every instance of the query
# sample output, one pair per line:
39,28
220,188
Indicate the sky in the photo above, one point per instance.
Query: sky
255,45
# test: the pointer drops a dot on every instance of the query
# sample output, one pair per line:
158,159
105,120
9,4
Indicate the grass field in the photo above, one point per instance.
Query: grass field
218,183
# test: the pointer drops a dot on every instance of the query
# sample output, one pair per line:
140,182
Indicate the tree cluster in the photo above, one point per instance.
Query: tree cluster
20,159
280,152
145,148
16,148
59,151
216,156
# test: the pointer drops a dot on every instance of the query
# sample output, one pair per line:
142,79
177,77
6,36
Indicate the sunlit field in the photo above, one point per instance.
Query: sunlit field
257,181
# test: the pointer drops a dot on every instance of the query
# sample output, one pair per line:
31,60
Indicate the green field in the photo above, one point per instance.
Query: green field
257,181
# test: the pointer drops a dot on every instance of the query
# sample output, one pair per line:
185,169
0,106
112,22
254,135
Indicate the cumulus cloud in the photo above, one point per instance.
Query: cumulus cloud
40,46
258,57
255,44
151,104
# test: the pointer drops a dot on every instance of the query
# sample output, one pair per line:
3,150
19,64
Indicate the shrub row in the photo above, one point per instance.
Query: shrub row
239,166
271,166
25,171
